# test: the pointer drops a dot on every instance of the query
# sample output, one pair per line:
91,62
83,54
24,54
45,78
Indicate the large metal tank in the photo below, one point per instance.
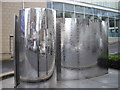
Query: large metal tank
36,43
84,48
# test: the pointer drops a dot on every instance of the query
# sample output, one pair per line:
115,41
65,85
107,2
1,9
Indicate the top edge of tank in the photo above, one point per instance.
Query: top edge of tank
37,8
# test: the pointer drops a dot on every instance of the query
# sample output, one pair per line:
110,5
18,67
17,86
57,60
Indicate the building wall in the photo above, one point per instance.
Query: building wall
0,30
34,4
8,11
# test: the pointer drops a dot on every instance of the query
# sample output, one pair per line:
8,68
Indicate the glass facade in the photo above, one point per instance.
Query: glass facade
78,15
69,15
104,3
79,9
68,7
58,6
59,14
66,10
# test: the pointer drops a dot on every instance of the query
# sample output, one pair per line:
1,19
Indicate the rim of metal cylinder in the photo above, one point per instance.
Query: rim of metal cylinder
39,79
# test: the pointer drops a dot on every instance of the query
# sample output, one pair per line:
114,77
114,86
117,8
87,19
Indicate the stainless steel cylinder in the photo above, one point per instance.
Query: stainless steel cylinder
37,37
84,46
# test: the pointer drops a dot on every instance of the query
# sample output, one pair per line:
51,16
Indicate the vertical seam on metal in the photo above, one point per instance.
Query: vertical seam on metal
84,12
63,10
74,11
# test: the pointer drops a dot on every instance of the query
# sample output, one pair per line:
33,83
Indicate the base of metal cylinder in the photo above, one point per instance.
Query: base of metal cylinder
80,74
39,79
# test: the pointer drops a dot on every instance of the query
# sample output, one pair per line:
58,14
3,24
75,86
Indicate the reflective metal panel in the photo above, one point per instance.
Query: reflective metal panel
84,46
37,43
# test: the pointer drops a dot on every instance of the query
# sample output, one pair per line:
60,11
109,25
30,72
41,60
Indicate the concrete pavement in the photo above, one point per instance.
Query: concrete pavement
109,80
7,68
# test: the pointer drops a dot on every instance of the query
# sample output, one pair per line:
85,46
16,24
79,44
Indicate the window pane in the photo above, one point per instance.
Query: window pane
105,19
59,14
116,14
117,22
100,3
97,11
111,14
48,4
119,15
96,18
103,13
88,10
78,15
69,15
79,9
111,22
111,27
117,27
58,6
88,16
112,4
106,3
69,7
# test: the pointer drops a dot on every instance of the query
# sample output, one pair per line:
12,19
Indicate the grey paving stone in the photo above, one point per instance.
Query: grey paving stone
8,83
106,81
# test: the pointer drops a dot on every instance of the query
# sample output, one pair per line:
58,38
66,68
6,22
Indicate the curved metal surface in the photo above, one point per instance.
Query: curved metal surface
84,42
84,45
37,43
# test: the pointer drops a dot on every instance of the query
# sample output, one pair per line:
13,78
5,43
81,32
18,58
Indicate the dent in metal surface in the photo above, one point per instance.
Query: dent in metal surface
37,43
84,48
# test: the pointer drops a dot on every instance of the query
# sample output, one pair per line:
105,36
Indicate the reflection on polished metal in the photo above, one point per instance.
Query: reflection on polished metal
37,43
84,46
